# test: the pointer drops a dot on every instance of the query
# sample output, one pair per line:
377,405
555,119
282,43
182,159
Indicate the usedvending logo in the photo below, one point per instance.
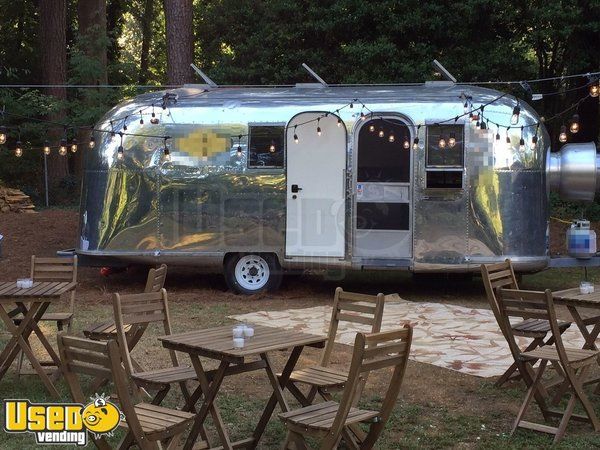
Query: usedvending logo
62,423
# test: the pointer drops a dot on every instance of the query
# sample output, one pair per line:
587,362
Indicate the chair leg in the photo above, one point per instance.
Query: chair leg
530,394
577,383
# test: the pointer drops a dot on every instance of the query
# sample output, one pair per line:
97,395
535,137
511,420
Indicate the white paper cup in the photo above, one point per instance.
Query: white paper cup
238,331
248,332
238,342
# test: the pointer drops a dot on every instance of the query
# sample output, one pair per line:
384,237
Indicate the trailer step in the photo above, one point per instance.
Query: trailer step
383,263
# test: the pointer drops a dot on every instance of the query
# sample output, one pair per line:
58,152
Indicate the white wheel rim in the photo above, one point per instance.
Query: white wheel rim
252,272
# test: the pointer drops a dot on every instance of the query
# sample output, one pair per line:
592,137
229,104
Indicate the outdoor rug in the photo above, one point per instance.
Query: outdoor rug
464,339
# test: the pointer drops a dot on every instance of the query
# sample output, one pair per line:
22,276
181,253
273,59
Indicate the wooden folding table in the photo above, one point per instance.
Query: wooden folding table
574,300
217,343
32,303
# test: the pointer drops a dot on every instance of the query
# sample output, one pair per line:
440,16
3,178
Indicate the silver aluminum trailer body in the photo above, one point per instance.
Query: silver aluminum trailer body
329,201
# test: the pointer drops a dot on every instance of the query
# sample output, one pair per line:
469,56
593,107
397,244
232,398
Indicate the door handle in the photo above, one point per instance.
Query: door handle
295,188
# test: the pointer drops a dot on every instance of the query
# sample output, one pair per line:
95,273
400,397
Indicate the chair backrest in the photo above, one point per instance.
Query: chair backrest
529,305
140,310
498,276
56,269
156,279
103,359
354,308
373,352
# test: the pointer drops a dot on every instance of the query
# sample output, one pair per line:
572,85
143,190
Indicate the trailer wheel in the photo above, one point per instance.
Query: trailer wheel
251,273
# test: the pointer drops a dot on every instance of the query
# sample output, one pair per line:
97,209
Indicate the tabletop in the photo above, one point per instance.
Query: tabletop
574,297
45,289
218,342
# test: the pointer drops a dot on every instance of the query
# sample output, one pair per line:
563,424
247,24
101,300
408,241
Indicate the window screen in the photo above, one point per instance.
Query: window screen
445,156
266,146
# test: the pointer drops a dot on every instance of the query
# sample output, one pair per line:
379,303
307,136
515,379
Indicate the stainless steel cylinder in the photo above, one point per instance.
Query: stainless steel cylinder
573,171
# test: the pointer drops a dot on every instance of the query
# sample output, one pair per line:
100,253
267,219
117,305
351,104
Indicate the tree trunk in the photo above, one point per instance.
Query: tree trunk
180,42
53,26
147,17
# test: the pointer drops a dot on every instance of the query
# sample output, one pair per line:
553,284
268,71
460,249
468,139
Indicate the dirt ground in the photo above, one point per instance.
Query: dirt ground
432,398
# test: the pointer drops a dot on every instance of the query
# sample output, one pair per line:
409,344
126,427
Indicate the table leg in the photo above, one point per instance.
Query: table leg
277,396
589,338
20,340
208,406
42,338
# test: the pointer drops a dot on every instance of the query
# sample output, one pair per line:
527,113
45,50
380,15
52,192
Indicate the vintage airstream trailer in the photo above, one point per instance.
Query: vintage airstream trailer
263,180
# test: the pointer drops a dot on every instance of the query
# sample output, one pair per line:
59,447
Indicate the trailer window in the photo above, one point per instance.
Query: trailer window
265,146
445,156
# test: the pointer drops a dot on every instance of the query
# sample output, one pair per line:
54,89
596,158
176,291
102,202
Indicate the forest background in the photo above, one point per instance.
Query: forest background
50,49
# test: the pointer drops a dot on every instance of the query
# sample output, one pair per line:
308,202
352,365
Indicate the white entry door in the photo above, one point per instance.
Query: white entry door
316,177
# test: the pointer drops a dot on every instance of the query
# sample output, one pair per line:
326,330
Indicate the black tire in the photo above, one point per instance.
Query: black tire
244,285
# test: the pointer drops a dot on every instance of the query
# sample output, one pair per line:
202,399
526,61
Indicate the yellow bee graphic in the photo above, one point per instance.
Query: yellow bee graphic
101,416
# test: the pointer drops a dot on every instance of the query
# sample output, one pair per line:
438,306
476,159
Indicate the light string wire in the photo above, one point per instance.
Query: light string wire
167,98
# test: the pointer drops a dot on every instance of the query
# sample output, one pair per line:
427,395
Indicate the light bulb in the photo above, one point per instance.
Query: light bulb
2,135
508,139
534,140
62,150
371,128
46,148
497,136
167,154
391,137
452,140
319,131
466,107
339,122
120,153
478,124
574,124
296,140
362,116
406,143
442,142
483,125
239,151
141,121
92,143
381,133
522,144
74,145
19,149
153,119
562,137
416,143
515,115
595,90
272,148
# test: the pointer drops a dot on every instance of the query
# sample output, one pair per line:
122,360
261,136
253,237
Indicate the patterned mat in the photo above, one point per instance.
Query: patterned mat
464,339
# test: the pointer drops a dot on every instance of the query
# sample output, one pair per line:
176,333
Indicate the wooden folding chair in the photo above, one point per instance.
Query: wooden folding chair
502,275
148,424
331,421
575,363
53,269
347,307
140,310
107,330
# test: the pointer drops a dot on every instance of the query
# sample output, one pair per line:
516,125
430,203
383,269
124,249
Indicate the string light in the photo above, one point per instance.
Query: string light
484,125
562,137
167,152
339,122
574,124
415,143
452,140
515,115
391,137
319,127
534,139
141,118
595,88
62,149
120,151
466,106
522,142
3,134
19,149
507,136
92,143
125,123
46,148
153,119
112,129
272,147
497,132
406,143
372,128
296,140
74,145
239,147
